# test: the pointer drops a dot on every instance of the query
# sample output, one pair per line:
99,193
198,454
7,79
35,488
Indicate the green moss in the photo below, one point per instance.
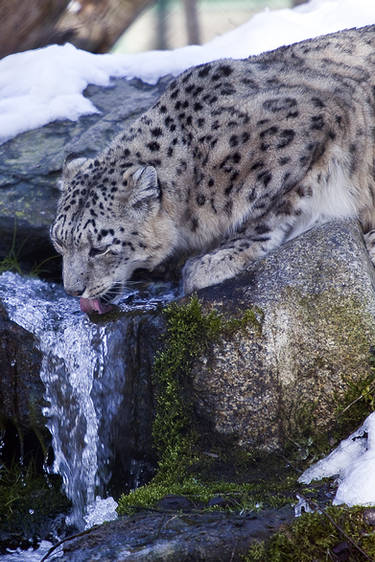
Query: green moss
314,536
189,334
358,401
248,496
316,418
27,499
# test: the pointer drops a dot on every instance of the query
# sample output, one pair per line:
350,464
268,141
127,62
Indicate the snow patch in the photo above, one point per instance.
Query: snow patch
353,461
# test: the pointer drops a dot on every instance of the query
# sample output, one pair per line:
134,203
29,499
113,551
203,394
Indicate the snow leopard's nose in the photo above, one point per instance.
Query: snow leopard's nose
74,287
74,276
75,292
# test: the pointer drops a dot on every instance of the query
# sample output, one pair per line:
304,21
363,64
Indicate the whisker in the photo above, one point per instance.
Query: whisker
118,288
133,283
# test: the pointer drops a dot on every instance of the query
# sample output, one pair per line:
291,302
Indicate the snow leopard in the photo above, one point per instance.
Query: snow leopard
235,158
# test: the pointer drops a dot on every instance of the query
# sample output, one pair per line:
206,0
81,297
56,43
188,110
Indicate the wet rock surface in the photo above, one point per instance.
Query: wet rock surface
176,537
21,389
30,164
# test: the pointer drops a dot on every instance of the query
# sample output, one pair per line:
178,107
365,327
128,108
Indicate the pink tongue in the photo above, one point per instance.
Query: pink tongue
93,305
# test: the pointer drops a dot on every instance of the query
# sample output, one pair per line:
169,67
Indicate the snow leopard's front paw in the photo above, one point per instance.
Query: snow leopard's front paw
208,270
192,278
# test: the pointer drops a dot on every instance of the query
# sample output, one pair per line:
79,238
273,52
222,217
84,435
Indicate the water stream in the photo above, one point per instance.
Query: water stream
84,377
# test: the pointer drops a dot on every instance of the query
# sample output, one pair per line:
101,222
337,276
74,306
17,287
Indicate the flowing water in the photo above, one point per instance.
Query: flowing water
84,377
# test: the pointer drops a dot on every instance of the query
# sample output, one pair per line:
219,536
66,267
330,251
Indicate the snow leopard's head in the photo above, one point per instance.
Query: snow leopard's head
109,222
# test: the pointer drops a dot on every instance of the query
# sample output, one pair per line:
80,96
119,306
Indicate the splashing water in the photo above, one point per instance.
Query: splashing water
84,376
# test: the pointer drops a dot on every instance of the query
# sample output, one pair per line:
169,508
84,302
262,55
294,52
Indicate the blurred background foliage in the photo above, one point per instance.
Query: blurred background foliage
126,26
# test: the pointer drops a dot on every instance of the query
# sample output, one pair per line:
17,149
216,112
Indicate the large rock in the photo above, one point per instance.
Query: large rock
21,388
316,298
179,537
31,163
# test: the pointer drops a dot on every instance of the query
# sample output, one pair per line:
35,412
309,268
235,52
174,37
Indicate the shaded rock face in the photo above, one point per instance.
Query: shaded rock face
316,300
176,537
21,392
30,165
20,384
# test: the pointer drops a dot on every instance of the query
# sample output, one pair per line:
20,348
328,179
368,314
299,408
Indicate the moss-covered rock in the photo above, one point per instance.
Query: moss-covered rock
245,370
256,372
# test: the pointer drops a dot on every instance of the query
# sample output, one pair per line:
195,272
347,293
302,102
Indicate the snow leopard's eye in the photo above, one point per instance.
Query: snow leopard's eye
98,251
59,246
107,250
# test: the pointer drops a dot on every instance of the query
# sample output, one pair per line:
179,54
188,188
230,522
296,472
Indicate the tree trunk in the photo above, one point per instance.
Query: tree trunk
161,25
27,24
192,22
94,25
98,24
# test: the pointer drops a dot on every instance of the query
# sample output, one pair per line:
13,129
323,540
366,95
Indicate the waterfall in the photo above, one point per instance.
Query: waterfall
84,375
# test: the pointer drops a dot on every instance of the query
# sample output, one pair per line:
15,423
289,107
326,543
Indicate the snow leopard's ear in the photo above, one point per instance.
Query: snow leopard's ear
71,166
146,190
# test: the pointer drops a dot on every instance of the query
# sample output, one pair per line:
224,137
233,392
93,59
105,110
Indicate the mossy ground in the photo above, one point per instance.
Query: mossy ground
338,534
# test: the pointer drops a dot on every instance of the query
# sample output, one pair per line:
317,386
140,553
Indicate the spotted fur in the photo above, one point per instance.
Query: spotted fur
236,157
